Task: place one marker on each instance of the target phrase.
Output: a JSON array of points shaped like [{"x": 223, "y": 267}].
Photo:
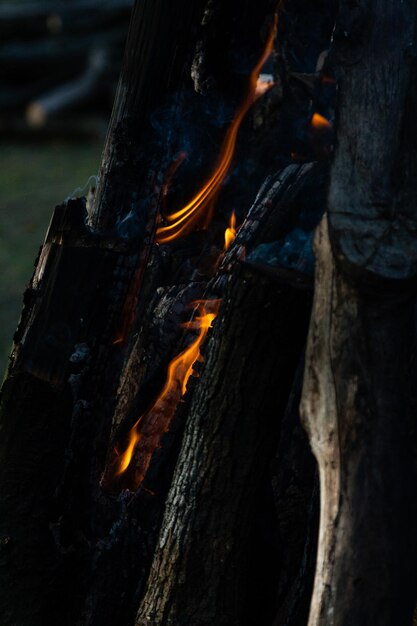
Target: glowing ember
[
  {"x": 146, "y": 433},
  {"x": 265, "y": 83},
  {"x": 181, "y": 222},
  {"x": 230, "y": 233},
  {"x": 319, "y": 122},
  {"x": 328, "y": 80}
]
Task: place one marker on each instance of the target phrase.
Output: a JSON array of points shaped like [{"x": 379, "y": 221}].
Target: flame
[
  {"x": 180, "y": 222},
  {"x": 126, "y": 457},
  {"x": 319, "y": 122},
  {"x": 163, "y": 409},
  {"x": 230, "y": 233}
]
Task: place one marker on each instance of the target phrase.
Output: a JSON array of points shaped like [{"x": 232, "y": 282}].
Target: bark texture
[
  {"x": 357, "y": 403},
  {"x": 64, "y": 356},
  {"x": 76, "y": 547},
  {"x": 358, "y": 393},
  {"x": 231, "y": 430},
  {"x": 372, "y": 201}
]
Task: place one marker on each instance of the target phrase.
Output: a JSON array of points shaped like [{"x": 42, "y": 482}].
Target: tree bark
[
  {"x": 358, "y": 396},
  {"x": 64, "y": 357},
  {"x": 68, "y": 362},
  {"x": 199, "y": 573},
  {"x": 161, "y": 42}
]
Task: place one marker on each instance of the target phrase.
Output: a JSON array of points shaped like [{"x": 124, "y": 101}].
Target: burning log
[
  {"x": 226, "y": 430},
  {"x": 63, "y": 379},
  {"x": 141, "y": 383}
]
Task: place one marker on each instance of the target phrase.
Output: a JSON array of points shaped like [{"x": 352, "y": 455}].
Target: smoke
[
  {"x": 294, "y": 251},
  {"x": 78, "y": 192}
]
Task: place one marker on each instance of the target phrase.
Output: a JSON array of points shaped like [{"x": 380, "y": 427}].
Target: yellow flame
[
  {"x": 126, "y": 457},
  {"x": 179, "y": 372},
  {"x": 181, "y": 221},
  {"x": 230, "y": 233}
]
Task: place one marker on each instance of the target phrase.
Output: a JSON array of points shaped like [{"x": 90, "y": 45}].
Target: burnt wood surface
[
  {"x": 231, "y": 432},
  {"x": 64, "y": 347},
  {"x": 158, "y": 339}
]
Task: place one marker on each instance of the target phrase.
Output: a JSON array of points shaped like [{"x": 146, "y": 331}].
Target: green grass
[{"x": 34, "y": 178}]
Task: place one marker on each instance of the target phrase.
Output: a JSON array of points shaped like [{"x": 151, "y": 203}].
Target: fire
[
  {"x": 319, "y": 122},
  {"x": 149, "y": 428},
  {"x": 328, "y": 80},
  {"x": 180, "y": 222},
  {"x": 230, "y": 233}
]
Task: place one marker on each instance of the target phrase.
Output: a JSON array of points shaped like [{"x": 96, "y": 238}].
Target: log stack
[{"x": 214, "y": 518}]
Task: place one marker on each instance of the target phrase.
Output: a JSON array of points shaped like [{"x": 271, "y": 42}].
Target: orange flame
[
  {"x": 180, "y": 222},
  {"x": 230, "y": 233},
  {"x": 319, "y": 122},
  {"x": 162, "y": 411}
]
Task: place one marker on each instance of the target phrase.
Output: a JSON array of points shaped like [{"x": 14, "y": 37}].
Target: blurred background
[{"x": 59, "y": 66}]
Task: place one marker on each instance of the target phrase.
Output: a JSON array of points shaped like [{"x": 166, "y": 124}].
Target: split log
[
  {"x": 61, "y": 328},
  {"x": 358, "y": 398}
]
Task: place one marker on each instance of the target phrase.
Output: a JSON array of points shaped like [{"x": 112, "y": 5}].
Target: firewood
[{"x": 358, "y": 396}]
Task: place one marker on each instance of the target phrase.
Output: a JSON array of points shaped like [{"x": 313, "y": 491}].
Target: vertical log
[
  {"x": 158, "y": 54},
  {"x": 357, "y": 397}
]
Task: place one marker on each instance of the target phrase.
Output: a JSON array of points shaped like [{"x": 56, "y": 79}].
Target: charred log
[
  {"x": 230, "y": 433},
  {"x": 95, "y": 340}
]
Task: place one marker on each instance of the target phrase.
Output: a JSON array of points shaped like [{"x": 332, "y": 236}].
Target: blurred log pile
[{"x": 59, "y": 58}]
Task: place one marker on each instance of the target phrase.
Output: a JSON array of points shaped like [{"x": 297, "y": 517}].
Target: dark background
[{"x": 45, "y": 46}]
